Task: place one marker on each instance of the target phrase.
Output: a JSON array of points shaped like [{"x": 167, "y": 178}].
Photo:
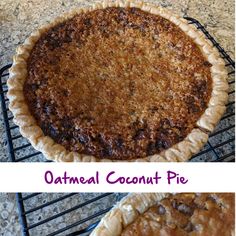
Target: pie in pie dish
[
  {"x": 182, "y": 214},
  {"x": 117, "y": 81}
]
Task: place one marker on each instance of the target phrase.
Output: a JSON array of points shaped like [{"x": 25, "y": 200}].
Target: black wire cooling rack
[{"x": 220, "y": 147}]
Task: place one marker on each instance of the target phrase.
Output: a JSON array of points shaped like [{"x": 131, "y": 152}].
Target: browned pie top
[
  {"x": 117, "y": 83},
  {"x": 187, "y": 215}
]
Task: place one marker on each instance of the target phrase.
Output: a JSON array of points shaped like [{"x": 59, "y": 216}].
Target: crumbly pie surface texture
[
  {"x": 118, "y": 83},
  {"x": 131, "y": 83},
  {"x": 183, "y": 214}
]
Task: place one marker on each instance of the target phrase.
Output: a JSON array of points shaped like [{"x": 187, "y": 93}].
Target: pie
[
  {"x": 182, "y": 214},
  {"x": 122, "y": 81}
]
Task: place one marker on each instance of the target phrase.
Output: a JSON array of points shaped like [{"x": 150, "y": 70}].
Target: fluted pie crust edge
[
  {"x": 181, "y": 151},
  {"x": 125, "y": 213}
]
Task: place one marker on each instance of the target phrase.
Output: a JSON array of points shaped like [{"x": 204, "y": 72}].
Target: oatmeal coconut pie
[
  {"x": 117, "y": 81},
  {"x": 182, "y": 214}
]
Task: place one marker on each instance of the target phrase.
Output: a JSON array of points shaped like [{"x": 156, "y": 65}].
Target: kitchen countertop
[{"x": 18, "y": 18}]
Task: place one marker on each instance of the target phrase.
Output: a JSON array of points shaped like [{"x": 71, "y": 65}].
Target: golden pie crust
[
  {"x": 174, "y": 146},
  {"x": 161, "y": 214}
]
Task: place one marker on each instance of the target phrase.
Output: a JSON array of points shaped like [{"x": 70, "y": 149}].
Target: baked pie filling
[
  {"x": 117, "y": 83},
  {"x": 187, "y": 215},
  {"x": 165, "y": 214}
]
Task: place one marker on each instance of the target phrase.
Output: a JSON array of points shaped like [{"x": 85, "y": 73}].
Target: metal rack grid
[{"x": 220, "y": 147}]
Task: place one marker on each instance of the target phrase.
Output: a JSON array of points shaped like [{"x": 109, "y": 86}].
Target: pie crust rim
[
  {"x": 125, "y": 212},
  {"x": 181, "y": 151}
]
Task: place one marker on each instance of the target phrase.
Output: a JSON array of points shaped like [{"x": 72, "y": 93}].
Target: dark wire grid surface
[{"x": 220, "y": 147}]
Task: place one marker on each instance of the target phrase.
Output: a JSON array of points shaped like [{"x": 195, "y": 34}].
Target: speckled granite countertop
[{"x": 19, "y": 17}]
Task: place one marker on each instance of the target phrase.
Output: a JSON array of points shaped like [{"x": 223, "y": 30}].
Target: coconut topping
[{"x": 117, "y": 83}]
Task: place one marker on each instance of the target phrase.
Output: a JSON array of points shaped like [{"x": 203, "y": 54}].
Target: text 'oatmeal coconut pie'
[
  {"x": 162, "y": 214},
  {"x": 120, "y": 81}
]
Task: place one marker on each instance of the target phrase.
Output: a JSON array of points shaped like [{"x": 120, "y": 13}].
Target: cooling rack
[{"x": 220, "y": 147}]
